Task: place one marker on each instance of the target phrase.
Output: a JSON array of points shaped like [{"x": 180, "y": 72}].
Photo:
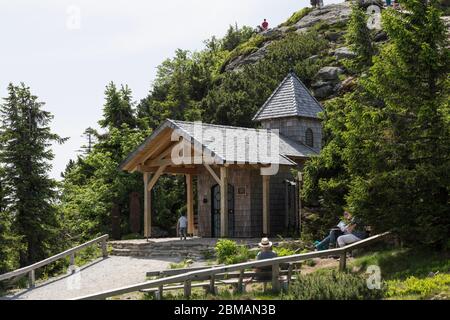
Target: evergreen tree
[
  {"x": 25, "y": 153},
  {"x": 8, "y": 241},
  {"x": 399, "y": 141},
  {"x": 359, "y": 39},
  {"x": 118, "y": 107}
]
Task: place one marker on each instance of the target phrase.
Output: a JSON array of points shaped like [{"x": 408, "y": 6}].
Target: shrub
[
  {"x": 331, "y": 285},
  {"x": 415, "y": 286},
  {"x": 282, "y": 251},
  {"x": 229, "y": 252}
]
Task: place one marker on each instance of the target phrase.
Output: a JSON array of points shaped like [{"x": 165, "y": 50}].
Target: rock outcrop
[
  {"x": 330, "y": 14},
  {"x": 326, "y": 82}
]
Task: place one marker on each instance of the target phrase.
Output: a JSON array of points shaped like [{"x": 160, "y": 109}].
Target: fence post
[
  {"x": 31, "y": 279},
  {"x": 104, "y": 248},
  {"x": 240, "y": 281},
  {"x": 289, "y": 275},
  {"x": 212, "y": 285},
  {"x": 343, "y": 261},
  {"x": 187, "y": 288},
  {"x": 275, "y": 276},
  {"x": 72, "y": 263}
]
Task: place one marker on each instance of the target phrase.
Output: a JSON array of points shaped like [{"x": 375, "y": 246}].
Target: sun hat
[{"x": 265, "y": 243}]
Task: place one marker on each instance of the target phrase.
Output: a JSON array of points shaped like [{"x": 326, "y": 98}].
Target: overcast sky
[{"x": 67, "y": 51}]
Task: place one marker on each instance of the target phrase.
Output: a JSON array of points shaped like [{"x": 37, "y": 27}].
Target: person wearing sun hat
[{"x": 265, "y": 253}]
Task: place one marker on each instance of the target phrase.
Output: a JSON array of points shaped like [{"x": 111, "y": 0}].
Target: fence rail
[
  {"x": 70, "y": 252},
  {"x": 210, "y": 273}
]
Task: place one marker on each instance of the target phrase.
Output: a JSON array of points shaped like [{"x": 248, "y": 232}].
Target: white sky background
[{"x": 118, "y": 40}]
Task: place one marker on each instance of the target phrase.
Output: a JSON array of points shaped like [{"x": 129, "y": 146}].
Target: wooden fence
[
  {"x": 211, "y": 273},
  {"x": 71, "y": 252}
]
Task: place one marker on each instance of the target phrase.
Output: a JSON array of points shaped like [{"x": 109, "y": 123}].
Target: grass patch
[
  {"x": 296, "y": 16},
  {"x": 416, "y": 288},
  {"x": 404, "y": 263}
]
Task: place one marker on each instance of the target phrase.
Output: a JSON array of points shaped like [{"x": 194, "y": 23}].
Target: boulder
[
  {"x": 344, "y": 53},
  {"x": 324, "y": 91},
  {"x": 328, "y": 73},
  {"x": 330, "y": 14}
]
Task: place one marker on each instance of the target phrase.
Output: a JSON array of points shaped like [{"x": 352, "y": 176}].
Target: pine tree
[
  {"x": 399, "y": 141},
  {"x": 118, "y": 107},
  {"x": 8, "y": 241},
  {"x": 359, "y": 40},
  {"x": 25, "y": 155}
]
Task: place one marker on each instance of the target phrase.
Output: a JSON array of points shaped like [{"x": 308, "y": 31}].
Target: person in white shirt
[{"x": 182, "y": 226}]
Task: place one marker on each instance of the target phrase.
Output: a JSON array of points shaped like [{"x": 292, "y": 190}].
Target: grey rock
[
  {"x": 324, "y": 91},
  {"x": 328, "y": 73},
  {"x": 344, "y": 53},
  {"x": 251, "y": 58},
  {"x": 329, "y": 14}
]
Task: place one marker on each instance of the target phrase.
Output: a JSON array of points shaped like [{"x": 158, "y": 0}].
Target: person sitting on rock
[{"x": 265, "y": 25}]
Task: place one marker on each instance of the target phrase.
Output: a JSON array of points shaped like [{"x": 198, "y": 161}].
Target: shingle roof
[
  {"x": 252, "y": 138},
  {"x": 290, "y": 99}
]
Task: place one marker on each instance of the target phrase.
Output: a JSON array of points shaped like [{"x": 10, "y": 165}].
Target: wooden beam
[
  {"x": 266, "y": 205},
  {"x": 147, "y": 207},
  {"x": 160, "y": 162},
  {"x": 173, "y": 170},
  {"x": 211, "y": 171},
  {"x": 190, "y": 204},
  {"x": 223, "y": 201},
  {"x": 155, "y": 177}
]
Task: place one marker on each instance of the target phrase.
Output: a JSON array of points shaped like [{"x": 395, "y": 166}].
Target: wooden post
[
  {"x": 223, "y": 202},
  {"x": 266, "y": 205},
  {"x": 342, "y": 261},
  {"x": 147, "y": 207},
  {"x": 160, "y": 292},
  {"x": 298, "y": 194},
  {"x": 187, "y": 288},
  {"x": 31, "y": 279},
  {"x": 275, "y": 277},
  {"x": 240, "y": 282},
  {"x": 289, "y": 275},
  {"x": 286, "y": 204},
  {"x": 190, "y": 204},
  {"x": 72, "y": 263},
  {"x": 104, "y": 248},
  {"x": 212, "y": 285}
]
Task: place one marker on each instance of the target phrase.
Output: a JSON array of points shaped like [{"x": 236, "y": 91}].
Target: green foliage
[
  {"x": 403, "y": 263},
  {"x": 229, "y": 252},
  {"x": 296, "y": 16},
  {"x": 406, "y": 272},
  {"x": 359, "y": 40},
  {"x": 25, "y": 155},
  {"x": 331, "y": 286},
  {"x": 419, "y": 288},
  {"x": 236, "y": 36},
  {"x": 387, "y": 143},
  {"x": 282, "y": 252}
]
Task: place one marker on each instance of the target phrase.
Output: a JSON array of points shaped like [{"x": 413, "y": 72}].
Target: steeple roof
[{"x": 290, "y": 99}]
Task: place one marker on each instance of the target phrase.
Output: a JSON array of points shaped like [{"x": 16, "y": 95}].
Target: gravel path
[{"x": 102, "y": 274}]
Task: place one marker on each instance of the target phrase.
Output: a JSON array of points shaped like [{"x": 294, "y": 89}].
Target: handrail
[
  {"x": 70, "y": 252},
  {"x": 211, "y": 272}
]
